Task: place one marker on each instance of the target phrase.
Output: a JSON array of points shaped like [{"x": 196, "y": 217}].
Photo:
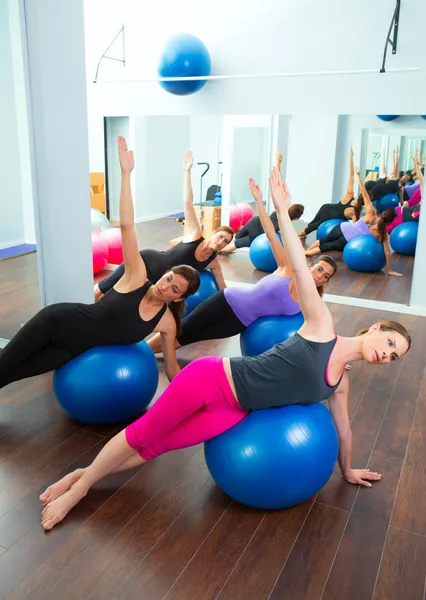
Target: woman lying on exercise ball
[
  {"x": 394, "y": 184},
  {"x": 212, "y": 394},
  {"x": 255, "y": 227},
  {"x": 371, "y": 224},
  {"x": 410, "y": 210},
  {"x": 193, "y": 250},
  {"x": 129, "y": 312},
  {"x": 348, "y": 207},
  {"x": 230, "y": 311}
]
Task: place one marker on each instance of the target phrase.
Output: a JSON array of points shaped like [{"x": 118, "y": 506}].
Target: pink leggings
[{"x": 197, "y": 405}]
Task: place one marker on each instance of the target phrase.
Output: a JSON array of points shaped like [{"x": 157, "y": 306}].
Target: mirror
[{"x": 228, "y": 149}]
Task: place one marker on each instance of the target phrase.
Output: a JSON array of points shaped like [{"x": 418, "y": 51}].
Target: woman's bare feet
[
  {"x": 58, "y": 509},
  {"x": 60, "y": 487}
]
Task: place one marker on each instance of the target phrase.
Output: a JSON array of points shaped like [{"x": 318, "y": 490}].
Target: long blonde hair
[{"x": 391, "y": 326}]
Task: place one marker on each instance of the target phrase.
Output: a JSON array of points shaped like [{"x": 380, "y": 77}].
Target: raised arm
[
  {"x": 268, "y": 227},
  {"x": 318, "y": 324},
  {"x": 350, "y": 189},
  {"x": 134, "y": 266},
  {"x": 192, "y": 225},
  {"x": 338, "y": 405},
  {"x": 383, "y": 171},
  {"x": 418, "y": 168},
  {"x": 370, "y": 210}
]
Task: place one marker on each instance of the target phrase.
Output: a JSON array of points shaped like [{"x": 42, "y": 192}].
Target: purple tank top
[
  {"x": 269, "y": 297},
  {"x": 351, "y": 230}
]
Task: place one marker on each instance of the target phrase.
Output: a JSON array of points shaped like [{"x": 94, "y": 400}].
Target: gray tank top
[{"x": 294, "y": 372}]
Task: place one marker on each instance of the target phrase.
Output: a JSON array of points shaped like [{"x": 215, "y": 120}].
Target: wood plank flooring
[{"x": 167, "y": 531}]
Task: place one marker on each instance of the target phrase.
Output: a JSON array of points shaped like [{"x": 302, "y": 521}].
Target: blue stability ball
[
  {"x": 326, "y": 227},
  {"x": 275, "y": 458},
  {"x": 403, "y": 238},
  {"x": 423, "y": 116},
  {"x": 388, "y": 117},
  {"x": 365, "y": 254},
  {"x": 208, "y": 287},
  {"x": 108, "y": 384},
  {"x": 261, "y": 254},
  {"x": 184, "y": 55},
  {"x": 388, "y": 201},
  {"x": 265, "y": 332}
]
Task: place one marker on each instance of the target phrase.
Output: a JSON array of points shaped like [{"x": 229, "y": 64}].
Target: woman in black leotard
[
  {"x": 348, "y": 207},
  {"x": 129, "y": 312},
  {"x": 194, "y": 250}
]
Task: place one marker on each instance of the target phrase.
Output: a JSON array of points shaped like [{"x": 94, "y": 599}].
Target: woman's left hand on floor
[{"x": 361, "y": 477}]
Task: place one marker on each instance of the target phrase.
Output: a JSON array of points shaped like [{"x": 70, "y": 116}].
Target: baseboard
[{"x": 5, "y": 245}]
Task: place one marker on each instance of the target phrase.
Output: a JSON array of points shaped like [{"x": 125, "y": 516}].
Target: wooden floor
[{"x": 166, "y": 531}]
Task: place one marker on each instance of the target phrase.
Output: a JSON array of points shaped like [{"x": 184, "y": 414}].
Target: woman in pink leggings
[{"x": 213, "y": 394}]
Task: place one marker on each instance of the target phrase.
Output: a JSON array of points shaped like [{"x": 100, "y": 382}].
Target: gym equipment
[
  {"x": 265, "y": 332},
  {"x": 184, "y": 55},
  {"x": 99, "y": 253},
  {"x": 388, "y": 201},
  {"x": 98, "y": 221},
  {"x": 112, "y": 238},
  {"x": 275, "y": 458},
  {"x": 108, "y": 384},
  {"x": 388, "y": 117},
  {"x": 261, "y": 254},
  {"x": 208, "y": 287},
  {"x": 246, "y": 211},
  {"x": 403, "y": 238},
  {"x": 365, "y": 254},
  {"x": 325, "y": 228}
]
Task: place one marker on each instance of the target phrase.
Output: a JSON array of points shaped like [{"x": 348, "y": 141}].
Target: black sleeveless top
[
  {"x": 294, "y": 372},
  {"x": 114, "y": 319},
  {"x": 159, "y": 262},
  {"x": 338, "y": 210}
]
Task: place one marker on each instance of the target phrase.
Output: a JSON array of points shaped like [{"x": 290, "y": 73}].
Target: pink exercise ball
[
  {"x": 246, "y": 212},
  {"x": 112, "y": 238},
  {"x": 235, "y": 217},
  {"x": 99, "y": 253}
]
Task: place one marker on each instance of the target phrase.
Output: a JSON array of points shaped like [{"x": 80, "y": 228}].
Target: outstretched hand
[
  {"x": 188, "y": 161},
  {"x": 256, "y": 192},
  {"x": 361, "y": 477},
  {"x": 126, "y": 157},
  {"x": 279, "y": 191}
]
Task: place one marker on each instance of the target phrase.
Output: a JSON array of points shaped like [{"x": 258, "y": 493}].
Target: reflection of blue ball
[
  {"x": 388, "y": 117},
  {"x": 275, "y": 458},
  {"x": 184, "y": 55},
  {"x": 388, "y": 201},
  {"x": 365, "y": 254},
  {"x": 326, "y": 227},
  {"x": 261, "y": 254},
  {"x": 108, "y": 384},
  {"x": 403, "y": 238},
  {"x": 265, "y": 332},
  {"x": 208, "y": 287}
]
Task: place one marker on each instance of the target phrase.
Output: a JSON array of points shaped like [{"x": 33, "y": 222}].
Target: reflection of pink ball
[
  {"x": 246, "y": 212},
  {"x": 112, "y": 237},
  {"x": 235, "y": 217},
  {"x": 99, "y": 253}
]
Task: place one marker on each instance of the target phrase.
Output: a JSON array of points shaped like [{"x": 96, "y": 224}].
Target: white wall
[
  {"x": 250, "y": 159},
  {"x": 11, "y": 210},
  {"x": 311, "y": 154},
  {"x": 290, "y": 36}
]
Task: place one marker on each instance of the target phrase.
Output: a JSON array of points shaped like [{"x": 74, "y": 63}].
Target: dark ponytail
[
  {"x": 177, "y": 309},
  {"x": 387, "y": 216},
  {"x": 358, "y": 206}
]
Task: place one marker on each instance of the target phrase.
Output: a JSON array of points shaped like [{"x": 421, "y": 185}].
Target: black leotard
[
  {"x": 159, "y": 262},
  {"x": 62, "y": 331}
]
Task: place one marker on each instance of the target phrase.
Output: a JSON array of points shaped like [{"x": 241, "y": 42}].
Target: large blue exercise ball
[
  {"x": 265, "y": 332},
  {"x": 184, "y": 55},
  {"x": 107, "y": 384},
  {"x": 326, "y": 227},
  {"x": 388, "y": 117},
  {"x": 423, "y": 116},
  {"x": 365, "y": 254},
  {"x": 261, "y": 254},
  {"x": 403, "y": 238},
  {"x": 388, "y": 201},
  {"x": 208, "y": 287},
  {"x": 275, "y": 458}
]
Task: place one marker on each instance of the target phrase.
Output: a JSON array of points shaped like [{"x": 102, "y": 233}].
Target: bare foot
[
  {"x": 60, "y": 487},
  {"x": 58, "y": 509}
]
